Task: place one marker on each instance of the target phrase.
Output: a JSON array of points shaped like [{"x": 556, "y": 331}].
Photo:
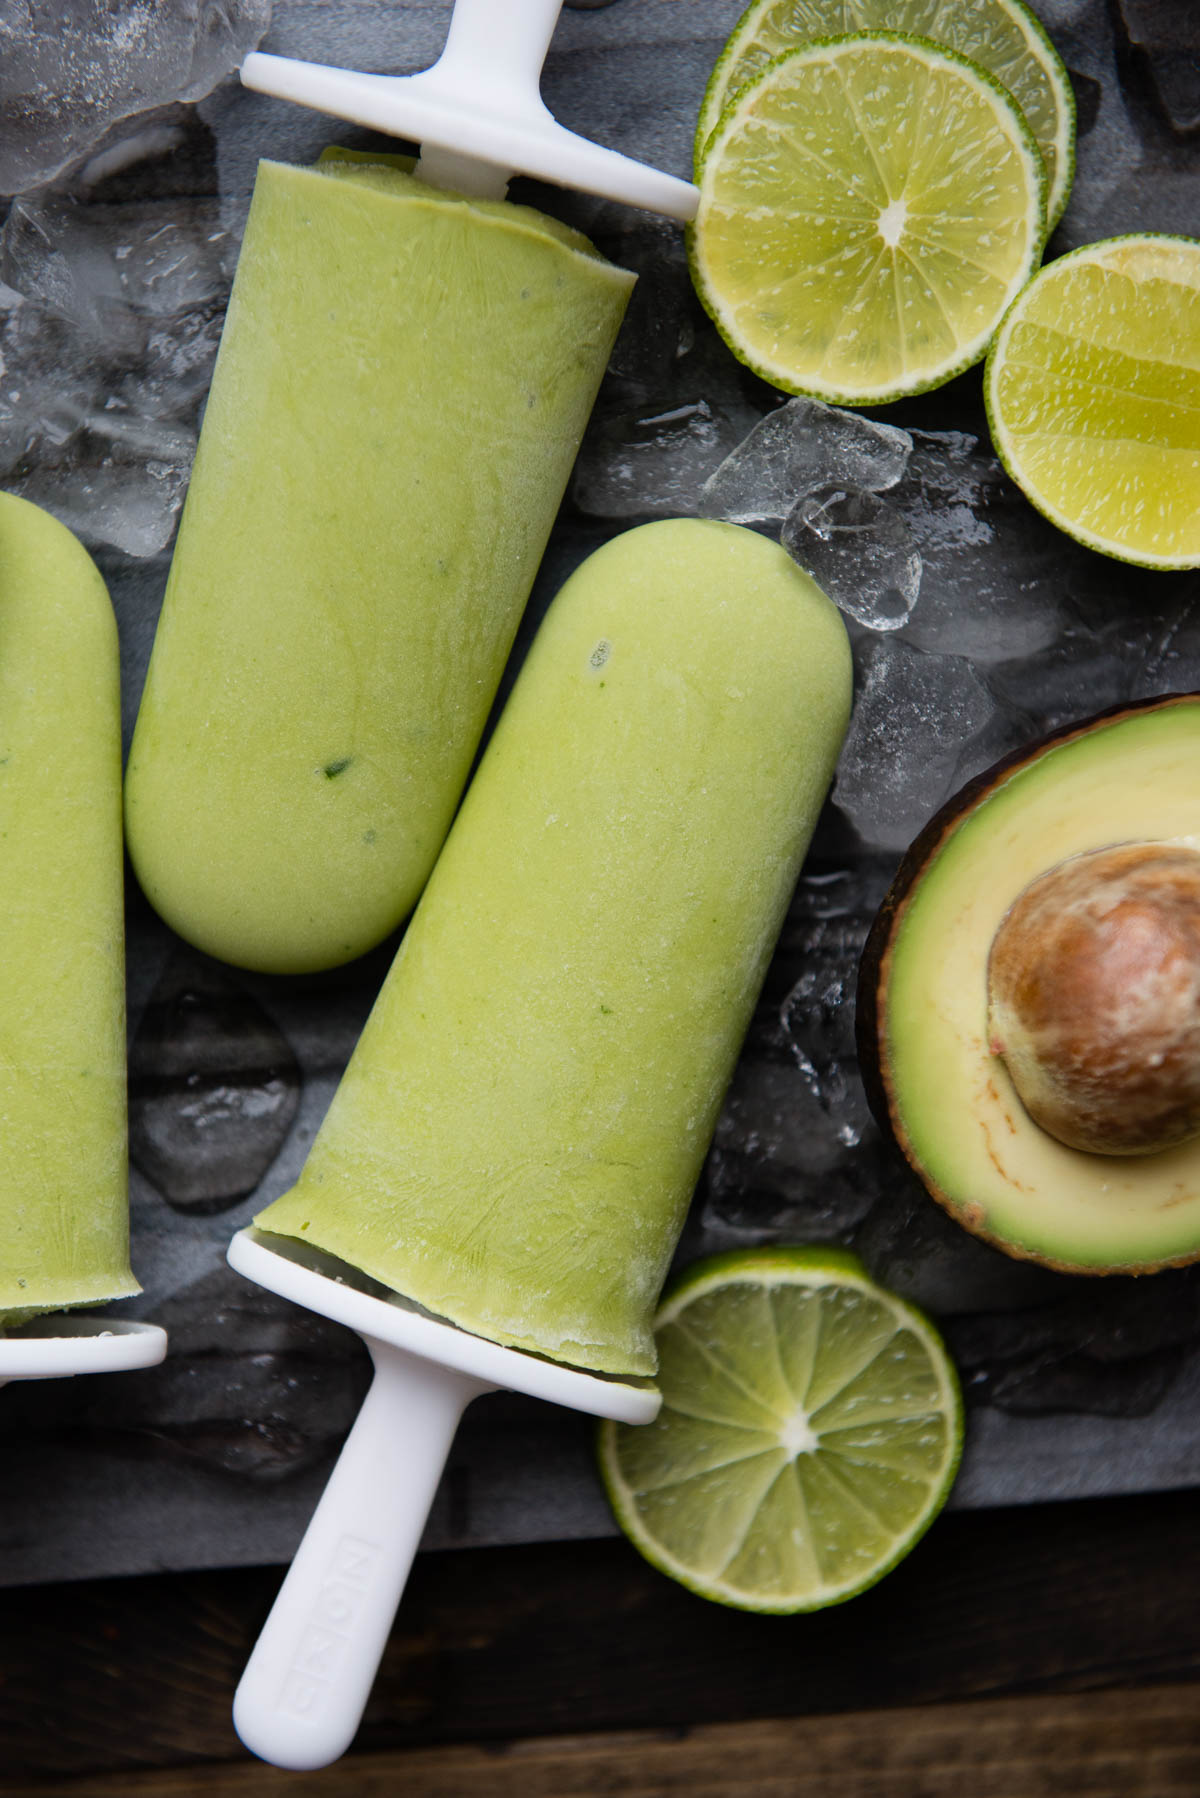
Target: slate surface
[{"x": 217, "y": 1458}]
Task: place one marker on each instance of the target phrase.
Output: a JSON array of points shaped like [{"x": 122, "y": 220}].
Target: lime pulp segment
[
  {"x": 869, "y": 207},
  {"x": 1093, "y": 393},
  {"x": 810, "y": 1430},
  {"x": 1002, "y": 36}
]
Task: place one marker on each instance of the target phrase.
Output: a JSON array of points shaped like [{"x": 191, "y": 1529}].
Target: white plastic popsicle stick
[
  {"x": 57, "y": 1347},
  {"x": 478, "y": 113},
  {"x": 307, "y": 1682}
]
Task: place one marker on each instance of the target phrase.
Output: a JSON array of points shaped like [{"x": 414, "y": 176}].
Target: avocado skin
[{"x": 874, "y": 963}]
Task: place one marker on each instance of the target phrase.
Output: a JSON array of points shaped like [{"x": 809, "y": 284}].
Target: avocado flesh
[{"x": 952, "y": 1106}]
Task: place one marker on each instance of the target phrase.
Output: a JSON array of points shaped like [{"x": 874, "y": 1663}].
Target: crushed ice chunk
[
  {"x": 650, "y": 465},
  {"x": 69, "y": 71},
  {"x": 107, "y": 496},
  {"x": 991, "y": 581},
  {"x": 779, "y": 1167},
  {"x": 914, "y": 716},
  {"x": 213, "y": 1088},
  {"x": 49, "y": 382},
  {"x": 92, "y": 263},
  {"x": 859, "y": 550},
  {"x": 109, "y": 321},
  {"x": 802, "y": 445},
  {"x": 673, "y": 404}
]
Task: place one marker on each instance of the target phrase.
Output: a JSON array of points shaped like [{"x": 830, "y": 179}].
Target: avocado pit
[{"x": 1094, "y": 998}]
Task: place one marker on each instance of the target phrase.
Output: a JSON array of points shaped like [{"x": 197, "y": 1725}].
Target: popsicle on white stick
[{"x": 515, "y": 1141}]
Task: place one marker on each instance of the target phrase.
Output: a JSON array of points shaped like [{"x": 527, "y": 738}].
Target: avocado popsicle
[
  {"x": 64, "y": 1210},
  {"x": 518, "y": 1133},
  {"x": 403, "y": 381}
]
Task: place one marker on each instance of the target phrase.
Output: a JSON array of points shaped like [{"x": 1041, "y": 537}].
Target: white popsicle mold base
[
  {"x": 478, "y": 113},
  {"x": 307, "y": 1682},
  {"x": 58, "y": 1347}
]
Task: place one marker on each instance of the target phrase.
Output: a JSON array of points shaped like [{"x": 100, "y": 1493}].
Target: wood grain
[
  {"x": 1142, "y": 1744},
  {"x": 567, "y": 1638}
]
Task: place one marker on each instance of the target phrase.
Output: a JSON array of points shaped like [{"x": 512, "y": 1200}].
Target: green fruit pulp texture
[
  {"x": 403, "y": 382},
  {"x": 64, "y": 1214},
  {"x": 518, "y": 1134}
]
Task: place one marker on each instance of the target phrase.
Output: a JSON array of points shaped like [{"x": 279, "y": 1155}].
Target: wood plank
[
  {"x": 1142, "y": 1744},
  {"x": 582, "y": 1637}
]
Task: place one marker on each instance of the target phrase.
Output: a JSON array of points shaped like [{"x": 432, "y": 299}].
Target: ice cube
[
  {"x": 673, "y": 404},
  {"x": 819, "y": 952},
  {"x": 172, "y": 375},
  {"x": 255, "y": 1387},
  {"x": 914, "y": 716},
  {"x": 660, "y": 323},
  {"x": 650, "y": 465},
  {"x": 802, "y": 445},
  {"x": 213, "y": 1088},
  {"x": 991, "y": 581},
  {"x": 49, "y": 254},
  {"x": 93, "y": 262},
  {"x": 779, "y": 1167},
  {"x": 69, "y": 71},
  {"x": 49, "y": 381},
  {"x": 858, "y": 548},
  {"x": 106, "y": 495},
  {"x": 108, "y": 331}
]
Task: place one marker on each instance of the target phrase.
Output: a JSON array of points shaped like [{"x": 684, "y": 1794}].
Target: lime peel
[{"x": 810, "y": 1432}]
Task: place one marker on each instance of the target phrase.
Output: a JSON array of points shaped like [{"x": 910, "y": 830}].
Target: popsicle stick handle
[
  {"x": 503, "y": 46},
  {"x": 307, "y": 1682}
]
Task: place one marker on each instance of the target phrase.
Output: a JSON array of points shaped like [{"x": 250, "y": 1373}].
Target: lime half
[
  {"x": 1002, "y": 36},
  {"x": 810, "y": 1431},
  {"x": 1093, "y": 394},
  {"x": 869, "y": 206}
]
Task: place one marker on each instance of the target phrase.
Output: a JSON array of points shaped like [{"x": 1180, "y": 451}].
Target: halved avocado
[{"x": 1127, "y": 776}]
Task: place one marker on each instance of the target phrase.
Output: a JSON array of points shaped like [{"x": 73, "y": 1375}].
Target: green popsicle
[
  {"x": 519, "y": 1131},
  {"x": 403, "y": 381},
  {"x": 64, "y": 1206}
]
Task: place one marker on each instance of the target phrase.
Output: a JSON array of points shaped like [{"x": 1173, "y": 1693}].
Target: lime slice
[
  {"x": 1093, "y": 394},
  {"x": 1002, "y": 36},
  {"x": 810, "y": 1432},
  {"x": 869, "y": 206}
]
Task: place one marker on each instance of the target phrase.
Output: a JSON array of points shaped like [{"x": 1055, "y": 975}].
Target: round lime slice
[
  {"x": 869, "y": 206},
  {"x": 810, "y": 1431},
  {"x": 1093, "y": 393},
  {"x": 1002, "y": 36}
]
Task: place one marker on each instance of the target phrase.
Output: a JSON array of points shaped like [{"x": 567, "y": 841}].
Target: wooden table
[{"x": 1044, "y": 1650}]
